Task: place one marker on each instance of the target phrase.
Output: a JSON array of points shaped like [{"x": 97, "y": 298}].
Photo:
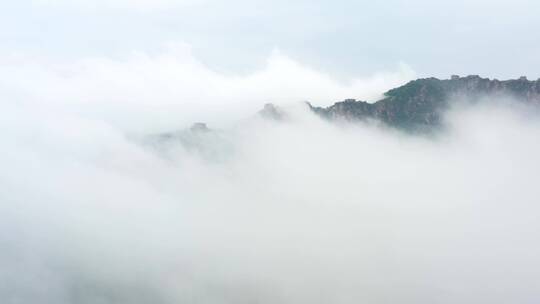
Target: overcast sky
[{"x": 344, "y": 39}]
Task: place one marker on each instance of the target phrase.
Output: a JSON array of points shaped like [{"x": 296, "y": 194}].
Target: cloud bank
[{"x": 298, "y": 212}]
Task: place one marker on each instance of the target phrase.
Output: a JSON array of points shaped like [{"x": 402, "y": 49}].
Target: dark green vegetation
[{"x": 419, "y": 104}]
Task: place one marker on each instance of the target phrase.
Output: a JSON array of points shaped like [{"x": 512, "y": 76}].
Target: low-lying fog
[{"x": 302, "y": 211}]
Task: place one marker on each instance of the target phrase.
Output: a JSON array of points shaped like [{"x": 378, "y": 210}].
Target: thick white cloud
[
  {"x": 303, "y": 211},
  {"x": 297, "y": 212}
]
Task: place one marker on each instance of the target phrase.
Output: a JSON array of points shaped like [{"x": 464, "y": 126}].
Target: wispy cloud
[{"x": 174, "y": 79}]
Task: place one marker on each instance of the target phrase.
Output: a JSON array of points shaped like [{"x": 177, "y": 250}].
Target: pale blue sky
[{"x": 343, "y": 38}]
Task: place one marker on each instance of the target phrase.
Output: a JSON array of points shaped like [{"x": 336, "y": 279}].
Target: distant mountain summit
[{"x": 419, "y": 104}]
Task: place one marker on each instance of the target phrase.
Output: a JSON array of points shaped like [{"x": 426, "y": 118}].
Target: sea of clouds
[{"x": 297, "y": 211}]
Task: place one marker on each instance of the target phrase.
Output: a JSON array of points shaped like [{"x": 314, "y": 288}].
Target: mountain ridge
[{"x": 420, "y": 103}]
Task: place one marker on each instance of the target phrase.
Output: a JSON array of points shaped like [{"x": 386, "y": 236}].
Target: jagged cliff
[{"x": 420, "y": 103}]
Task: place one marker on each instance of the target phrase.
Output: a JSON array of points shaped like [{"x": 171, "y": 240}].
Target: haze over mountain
[{"x": 269, "y": 152}]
